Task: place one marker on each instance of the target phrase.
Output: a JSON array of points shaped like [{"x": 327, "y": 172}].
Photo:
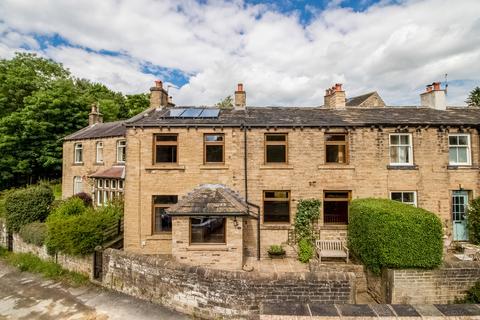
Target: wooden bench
[{"x": 331, "y": 249}]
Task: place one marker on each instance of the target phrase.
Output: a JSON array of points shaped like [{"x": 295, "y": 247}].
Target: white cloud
[{"x": 395, "y": 49}]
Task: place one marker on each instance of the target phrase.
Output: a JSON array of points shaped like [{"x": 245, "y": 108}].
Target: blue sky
[{"x": 285, "y": 52}]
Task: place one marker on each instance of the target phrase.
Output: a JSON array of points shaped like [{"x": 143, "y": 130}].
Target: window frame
[
  {"x": 288, "y": 200},
  {"x": 348, "y": 199},
  {"x": 468, "y": 146},
  {"x": 275, "y": 143},
  {"x": 77, "y": 179},
  {"x": 164, "y": 143},
  {"x": 212, "y": 143},
  {"x": 78, "y": 147},
  {"x": 99, "y": 196},
  {"x": 406, "y": 191},
  {"x": 207, "y": 243},
  {"x": 410, "y": 149},
  {"x": 160, "y": 205},
  {"x": 337, "y": 143},
  {"x": 99, "y": 146},
  {"x": 123, "y": 147}
]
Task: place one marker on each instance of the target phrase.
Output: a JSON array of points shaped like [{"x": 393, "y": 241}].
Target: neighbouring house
[{"x": 213, "y": 186}]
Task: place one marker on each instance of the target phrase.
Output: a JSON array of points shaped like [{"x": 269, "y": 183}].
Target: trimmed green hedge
[
  {"x": 27, "y": 205},
  {"x": 34, "y": 233},
  {"x": 386, "y": 233},
  {"x": 75, "y": 229},
  {"x": 473, "y": 220}
]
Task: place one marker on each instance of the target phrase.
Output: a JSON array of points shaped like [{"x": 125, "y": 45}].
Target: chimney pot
[
  {"x": 240, "y": 87},
  {"x": 158, "y": 83},
  {"x": 436, "y": 86},
  {"x": 338, "y": 87},
  {"x": 240, "y": 98}
]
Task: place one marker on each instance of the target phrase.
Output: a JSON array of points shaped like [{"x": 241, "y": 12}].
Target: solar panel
[
  {"x": 209, "y": 113},
  {"x": 191, "y": 113},
  {"x": 176, "y": 112}
]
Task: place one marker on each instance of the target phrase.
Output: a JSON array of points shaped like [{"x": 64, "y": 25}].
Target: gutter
[{"x": 245, "y": 167}]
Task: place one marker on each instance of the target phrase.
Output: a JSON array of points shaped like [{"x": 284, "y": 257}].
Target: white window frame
[
  {"x": 77, "y": 180},
  {"x": 113, "y": 184},
  {"x": 105, "y": 197},
  {"x": 410, "y": 149},
  {"x": 99, "y": 197},
  {"x": 99, "y": 183},
  {"x": 414, "y": 203},
  {"x": 99, "y": 152},
  {"x": 122, "y": 184},
  {"x": 121, "y": 144},
  {"x": 469, "y": 148},
  {"x": 78, "y": 152}
]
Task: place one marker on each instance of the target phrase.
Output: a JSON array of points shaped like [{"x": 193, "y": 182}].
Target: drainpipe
[{"x": 245, "y": 166}]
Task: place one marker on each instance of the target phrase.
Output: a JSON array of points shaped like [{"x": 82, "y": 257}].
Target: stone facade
[
  {"x": 416, "y": 286},
  {"x": 213, "y": 294},
  {"x": 306, "y": 175},
  {"x": 89, "y": 165}
]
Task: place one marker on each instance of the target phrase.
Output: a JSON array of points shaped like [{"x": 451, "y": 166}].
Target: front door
[{"x": 459, "y": 210}]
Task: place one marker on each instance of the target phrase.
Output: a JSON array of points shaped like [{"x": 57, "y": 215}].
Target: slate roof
[
  {"x": 210, "y": 200},
  {"x": 116, "y": 172},
  {"x": 319, "y": 117},
  {"x": 358, "y": 100},
  {"x": 100, "y": 130}
]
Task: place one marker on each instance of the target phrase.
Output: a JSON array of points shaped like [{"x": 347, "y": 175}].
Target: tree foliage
[
  {"x": 226, "y": 103},
  {"x": 40, "y": 103},
  {"x": 473, "y": 99},
  {"x": 473, "y": 220}
]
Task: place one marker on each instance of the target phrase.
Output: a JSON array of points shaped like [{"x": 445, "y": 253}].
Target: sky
[{"x": 285, "y": 52}]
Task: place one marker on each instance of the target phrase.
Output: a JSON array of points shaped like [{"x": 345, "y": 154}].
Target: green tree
[
  {"x": 23, "y": 75},
  {"x": 473, "y": 99},
  {"x": 134, "y": 104},
  {"x": 226, "y": 103}
]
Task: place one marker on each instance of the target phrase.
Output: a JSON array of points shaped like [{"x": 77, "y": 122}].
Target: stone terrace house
[{"x": 211, "y": 187}]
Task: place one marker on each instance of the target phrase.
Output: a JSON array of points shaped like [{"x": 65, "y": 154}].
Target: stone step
[{"x": 368, "y": 311}]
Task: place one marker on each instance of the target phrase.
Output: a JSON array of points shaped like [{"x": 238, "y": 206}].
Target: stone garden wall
[
  {"x": 416, "y": 286},
  {"x": 211, "y": 293}
]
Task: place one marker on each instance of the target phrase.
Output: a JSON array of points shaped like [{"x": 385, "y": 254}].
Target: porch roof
[
  {"x": 210, "y": 200},
  {"x": 115, "y": 172}
]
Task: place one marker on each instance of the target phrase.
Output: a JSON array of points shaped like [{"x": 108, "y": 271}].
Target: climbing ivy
[{"x": 308, "y": 211}]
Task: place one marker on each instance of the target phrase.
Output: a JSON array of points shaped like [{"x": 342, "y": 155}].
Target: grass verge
[{"x": 31, "y": 263}]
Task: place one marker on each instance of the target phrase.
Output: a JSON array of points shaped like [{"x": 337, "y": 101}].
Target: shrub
[
  {"x": 85, "y": 197},
  {"x": 473, "y": 220},
  {"x": 276, "y": 250},
  {"x": 77, "y": 230},
  {"x": 34, "y": 233},
  {"x": 473, "y": 294},
  {"x": 307, "y": 212},
  {"x": 387, "y": 233},
  {"x": 306, "y": 250},
  {"x": 27, "y": 205}
]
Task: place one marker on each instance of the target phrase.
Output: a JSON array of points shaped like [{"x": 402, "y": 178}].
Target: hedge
[
  {"x": 27, "y": 205},
  {"x": 76, "y": 229},
  {"x": 34, "y": 233},
  {"x": 388, "y": 234}
]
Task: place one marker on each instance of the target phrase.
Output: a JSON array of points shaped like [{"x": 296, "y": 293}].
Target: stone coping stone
[
  {"x": 459, "y": 309},
  {"x": 364, "y": 311},
  {"x": 323, "y": 310},
  {"x": 405, "y": 310}
]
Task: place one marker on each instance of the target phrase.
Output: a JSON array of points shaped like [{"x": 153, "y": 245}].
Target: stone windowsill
[
  {"x": 333, "y": 227},
  {"x": 166, "y": 167},
  {"x": 98, "y": 163},
  {"x": 335, "y": 167},
  {"x": 214, "y": 167},
  {"x": 160, "y": 236},
  {"x": 78, "y": 164},
  {"x": 210, "y": 247},
  {"x": 276, "y": 167},
  {"x": 402, "y": 167},
  {"x": 461, "y": 167}
]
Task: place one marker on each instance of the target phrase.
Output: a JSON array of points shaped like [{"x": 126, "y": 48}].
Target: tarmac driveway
[{"x": 29, "y": 296}]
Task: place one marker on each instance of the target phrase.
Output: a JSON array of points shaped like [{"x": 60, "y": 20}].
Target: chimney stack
[
  {"x": 95, "y": 116},
  {"x": 434, "y": 97},
  {"x": 335, "y": 97},
  {"x": 240, "y": 98},
  {"x": 158, "y": 95}
]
